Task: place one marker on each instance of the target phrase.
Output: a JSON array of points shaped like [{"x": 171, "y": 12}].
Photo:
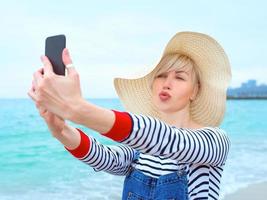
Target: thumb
[
  {"x": 68, "y": 62},
  {"x": 48, "y": 69}
]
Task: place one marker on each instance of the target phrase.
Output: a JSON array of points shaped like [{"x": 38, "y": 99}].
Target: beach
[
  {"x": 34, "y": 165},
  {"x": 256, "y": 191}
]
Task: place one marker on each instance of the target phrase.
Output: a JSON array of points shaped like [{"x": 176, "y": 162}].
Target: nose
[{"x": 167, "y": 83}]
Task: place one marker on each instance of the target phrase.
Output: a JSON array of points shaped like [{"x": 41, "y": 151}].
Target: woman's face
[{"x": 178, "y": 84}]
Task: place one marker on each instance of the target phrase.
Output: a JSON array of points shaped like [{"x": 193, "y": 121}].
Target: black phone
[{"x": 54, "y": 46}]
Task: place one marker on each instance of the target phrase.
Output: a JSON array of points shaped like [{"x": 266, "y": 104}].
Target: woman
[{"x": 172, "y": 146}]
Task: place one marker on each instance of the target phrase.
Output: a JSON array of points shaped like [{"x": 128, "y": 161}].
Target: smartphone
[{"x": 54, "y": 46}]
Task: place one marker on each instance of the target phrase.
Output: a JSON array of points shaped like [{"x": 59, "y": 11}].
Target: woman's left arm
[
  {"x": 209, "y": 145},
  {"x": 149, "y": 135}
]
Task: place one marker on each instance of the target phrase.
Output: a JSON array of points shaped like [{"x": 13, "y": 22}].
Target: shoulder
[
  {"x": 209, "y": 129},
  {"x": 218, "y": 129},
  {"x": 215, "y": 129},
  {"x": 219, "y": 132}
]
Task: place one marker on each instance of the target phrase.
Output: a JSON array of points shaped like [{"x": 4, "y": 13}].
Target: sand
[{"x": 256, "y": 191}]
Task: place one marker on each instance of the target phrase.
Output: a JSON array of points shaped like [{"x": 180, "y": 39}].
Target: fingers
[
  {"x": 41, "y": 70},
  {"x": 66, "y": 57},
  {"x": 32, "y": 94},
  {"x": 37, "y": 78},
  {"x": 68, "y": 62},
  {"x": 48, "y": 69},
  {"x": 42, "y": 111},
  {"x": 33, "y": 85}
]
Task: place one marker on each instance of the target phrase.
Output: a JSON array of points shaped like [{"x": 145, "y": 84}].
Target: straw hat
[{"x": 208, "y": 107}]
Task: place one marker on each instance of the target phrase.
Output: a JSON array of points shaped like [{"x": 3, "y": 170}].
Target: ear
[{"x": 195, "y": 91}]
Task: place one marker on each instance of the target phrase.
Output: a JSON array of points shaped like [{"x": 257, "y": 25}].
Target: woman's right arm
[{"x": 112, "y": 159}]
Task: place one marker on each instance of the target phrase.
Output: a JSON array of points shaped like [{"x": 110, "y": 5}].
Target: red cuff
[
  {"x": 121, "y": 128},
  {"x": 83, "y": 147}
]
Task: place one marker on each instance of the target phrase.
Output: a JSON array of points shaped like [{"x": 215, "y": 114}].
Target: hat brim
[{"x": 209, "y": 106}]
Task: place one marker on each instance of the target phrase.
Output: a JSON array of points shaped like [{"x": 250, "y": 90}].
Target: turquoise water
[{"x": 35, "y": 165}]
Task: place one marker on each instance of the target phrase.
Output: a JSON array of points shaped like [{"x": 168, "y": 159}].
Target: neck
[{"x": 179, "y": 119}]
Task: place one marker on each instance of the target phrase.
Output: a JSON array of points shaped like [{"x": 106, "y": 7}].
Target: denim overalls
[{"x": 139, "y": 186}]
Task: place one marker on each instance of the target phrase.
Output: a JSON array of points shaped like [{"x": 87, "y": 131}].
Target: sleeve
[
  {"x": 209, "y": 145},
  {"x": 113, "y": 159}
]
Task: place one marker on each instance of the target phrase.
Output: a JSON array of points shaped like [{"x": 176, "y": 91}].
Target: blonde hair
[{"x": 177, "y": 62}]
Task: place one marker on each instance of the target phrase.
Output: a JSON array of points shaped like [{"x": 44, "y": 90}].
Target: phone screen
[{"x": 54, "y": 46}]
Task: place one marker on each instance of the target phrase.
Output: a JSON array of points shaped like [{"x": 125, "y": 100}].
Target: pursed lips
[{"x": 164, "y": 95}]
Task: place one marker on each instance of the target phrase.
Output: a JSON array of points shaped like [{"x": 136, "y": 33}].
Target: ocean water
[{"x": 34, "y": 165}]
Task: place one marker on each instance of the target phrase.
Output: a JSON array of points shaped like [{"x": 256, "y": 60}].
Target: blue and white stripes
[
  {"x": 165, "y": 149},
  {"x": 208, "y": 145},
  {"x": 112, "y": 159}
]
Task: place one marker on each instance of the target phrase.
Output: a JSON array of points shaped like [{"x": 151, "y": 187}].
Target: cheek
[
  {"x": 183, "y": 90},
  {"x": 155, "y": 86},
  {"x": 182, "y": 97}
]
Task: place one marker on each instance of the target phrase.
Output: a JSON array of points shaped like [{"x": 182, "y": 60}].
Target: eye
[
  {"x": 161, "y": 75},
  {"x": 177, "y": 77}
]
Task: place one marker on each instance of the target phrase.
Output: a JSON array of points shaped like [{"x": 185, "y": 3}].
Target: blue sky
[{"x": 109, "y": 39}]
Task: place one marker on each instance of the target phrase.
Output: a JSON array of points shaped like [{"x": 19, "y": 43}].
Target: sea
[{"x": 34, "y": 165}]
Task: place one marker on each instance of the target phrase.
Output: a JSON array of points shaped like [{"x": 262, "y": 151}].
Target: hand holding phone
[{"x": 54, "y": 46}]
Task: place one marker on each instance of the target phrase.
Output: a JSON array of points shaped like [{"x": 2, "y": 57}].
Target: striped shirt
[{"x": 163, "y": 149}]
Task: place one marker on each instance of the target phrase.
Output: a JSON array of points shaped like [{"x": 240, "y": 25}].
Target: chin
[{"x": 164, "y": 108}]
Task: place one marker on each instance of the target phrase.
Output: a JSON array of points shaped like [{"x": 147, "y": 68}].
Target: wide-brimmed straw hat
[{"x": 208, "y": 107}]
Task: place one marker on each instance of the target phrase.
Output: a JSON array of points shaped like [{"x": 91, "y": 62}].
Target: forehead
[
  {"x": 178, "y": 71},
  {"x": 179, "y": 68},
  {"x": 182, "y": 72}
]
